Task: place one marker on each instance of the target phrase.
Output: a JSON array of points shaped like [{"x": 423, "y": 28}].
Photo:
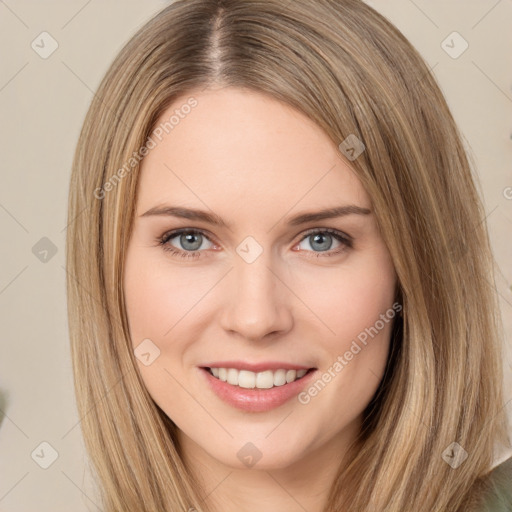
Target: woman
[{"x": 258, "y": 367}]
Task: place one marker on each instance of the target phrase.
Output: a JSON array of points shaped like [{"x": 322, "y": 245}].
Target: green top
[{"x": 498, "y": 489}]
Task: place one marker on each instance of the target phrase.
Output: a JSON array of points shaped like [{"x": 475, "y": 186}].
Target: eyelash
[{"x": 345, "y": 240}]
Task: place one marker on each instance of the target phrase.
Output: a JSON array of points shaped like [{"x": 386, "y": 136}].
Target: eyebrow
[{"x": 214, "y": 219}]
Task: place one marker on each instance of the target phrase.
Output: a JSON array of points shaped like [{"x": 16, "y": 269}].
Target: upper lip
[{"x": 256, "y": 367}]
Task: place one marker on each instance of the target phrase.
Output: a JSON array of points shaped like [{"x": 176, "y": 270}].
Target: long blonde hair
[{"x": 353, "y": 73}]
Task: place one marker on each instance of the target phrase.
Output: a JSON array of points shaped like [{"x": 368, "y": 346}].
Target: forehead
[{"x": 245, "y": 150}]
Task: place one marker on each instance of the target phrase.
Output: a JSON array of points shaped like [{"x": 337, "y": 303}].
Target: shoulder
[{"x": 497, "y": 489}]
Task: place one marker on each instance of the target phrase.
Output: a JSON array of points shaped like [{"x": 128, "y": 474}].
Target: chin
[{"x": 264, "y": 455}]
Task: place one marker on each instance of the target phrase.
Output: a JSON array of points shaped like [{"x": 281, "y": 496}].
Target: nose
[{"x": 257, "y": 304}]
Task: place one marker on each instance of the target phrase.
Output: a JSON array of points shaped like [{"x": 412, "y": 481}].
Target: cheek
[
  {"x": 355, "y": 306},
  {"x": 158, "y": 302},
  {"x": 158, "y": 298},
  {"x": 350, "y": 299}
]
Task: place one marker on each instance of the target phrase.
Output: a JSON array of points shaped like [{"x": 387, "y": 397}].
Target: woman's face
[{"x": 252, "y": 283}]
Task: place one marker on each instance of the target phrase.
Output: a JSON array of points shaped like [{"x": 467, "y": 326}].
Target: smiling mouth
[{"x": 267, "y": 379}]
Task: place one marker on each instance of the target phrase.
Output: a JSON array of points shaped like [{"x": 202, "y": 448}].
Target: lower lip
[{"x": 256, "y": 400}]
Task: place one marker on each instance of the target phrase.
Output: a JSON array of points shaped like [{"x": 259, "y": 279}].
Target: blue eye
[
  {"x": 322, "y": 241},
  {"x": 191, "y": 241}
]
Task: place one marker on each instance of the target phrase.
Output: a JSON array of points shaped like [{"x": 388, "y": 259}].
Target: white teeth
[
  {"x": 280, "y": 378},
  {"x": 232, "y": 376},
  {"x": 246, "y": 379},
  {"x": 291, "y": 375},
  {"x": 265, "y": 380},
  {"x": 261, "y": 380}
]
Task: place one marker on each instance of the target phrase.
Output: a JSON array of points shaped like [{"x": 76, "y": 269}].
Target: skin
[{"x": 256, "y": 162}]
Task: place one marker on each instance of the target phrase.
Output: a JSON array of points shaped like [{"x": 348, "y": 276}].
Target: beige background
[{"x": 42, "y": 105}]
